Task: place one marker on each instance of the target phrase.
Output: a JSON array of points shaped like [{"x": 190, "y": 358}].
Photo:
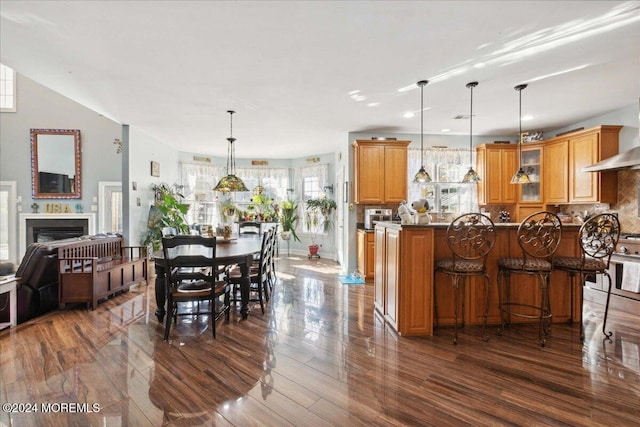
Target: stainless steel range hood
[{"x": 626, "y": 160}]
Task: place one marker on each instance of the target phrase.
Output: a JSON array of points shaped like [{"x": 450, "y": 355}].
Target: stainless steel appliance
[
  {"x": 371, "y": 216},
  {"x": 627, "y": 251}
]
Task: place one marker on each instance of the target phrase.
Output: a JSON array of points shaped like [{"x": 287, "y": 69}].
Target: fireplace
[
  {"x": 48, "y": 230},
  {"x": 44, "y": 228}
]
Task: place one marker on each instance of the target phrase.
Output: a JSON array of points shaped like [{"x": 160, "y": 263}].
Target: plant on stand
[
  {"x": 288, "y": 219},
  {"x": 318, "y": 220},
  {"x": 167, "y": 211}
]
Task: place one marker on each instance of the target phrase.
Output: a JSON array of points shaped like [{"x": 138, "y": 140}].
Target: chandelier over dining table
[{"x": 230, "y": 182}]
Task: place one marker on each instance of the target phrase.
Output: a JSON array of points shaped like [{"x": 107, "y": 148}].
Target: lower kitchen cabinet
[
  {"x": 404, "y": 284},
  {"x": 366, "y": 254}
]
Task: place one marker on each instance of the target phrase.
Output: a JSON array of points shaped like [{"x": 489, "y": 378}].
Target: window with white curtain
[
  {"x": 275, "y": 182},
  {"x": 199, "y": 180},
  {"x": 310, "y": 182},
  {"x": 446, "y": 166}
]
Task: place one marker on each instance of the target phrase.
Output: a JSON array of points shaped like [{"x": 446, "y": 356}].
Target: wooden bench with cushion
[{"x": 90, "y": 270}]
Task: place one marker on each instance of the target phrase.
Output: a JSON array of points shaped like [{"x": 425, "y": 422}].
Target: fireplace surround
[{"x": 49, "y": 227}]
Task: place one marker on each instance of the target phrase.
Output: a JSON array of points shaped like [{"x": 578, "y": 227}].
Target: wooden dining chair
[
  {"x": 192, "y": 275},
  {"x": 249, "y": 227},
  {"x": 258, "y": 276}
]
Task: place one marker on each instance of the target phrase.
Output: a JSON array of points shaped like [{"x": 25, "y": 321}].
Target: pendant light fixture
[
  {"x": 471, "y": 176},
  {"x": 422, "y": 175},
  {"x": 231, "y": 183},
  {"x": 520, "y": 177}
]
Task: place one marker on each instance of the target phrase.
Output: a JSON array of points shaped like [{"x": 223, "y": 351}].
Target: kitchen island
[{"x": 405, "y": 256}]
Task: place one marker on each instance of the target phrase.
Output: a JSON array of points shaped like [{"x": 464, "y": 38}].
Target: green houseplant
[
  {"x": 318, "y": 220},
  {"x": 167, "y": 211},
  {"x": 289, "y": 219}
]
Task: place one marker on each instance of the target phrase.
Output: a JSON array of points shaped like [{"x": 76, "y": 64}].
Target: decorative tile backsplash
[{"x": 627, "y": 206}]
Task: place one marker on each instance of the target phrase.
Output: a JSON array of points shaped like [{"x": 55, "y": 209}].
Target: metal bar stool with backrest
[
  {"x": 598, "y": 238},
  {"x": 470, "y": 237},
  {"x": 538, "y": 237},
  {"x": 192, "y": 276}
]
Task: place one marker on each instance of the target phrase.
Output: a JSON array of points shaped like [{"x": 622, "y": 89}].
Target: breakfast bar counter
[{"x": 405, "y": 256}]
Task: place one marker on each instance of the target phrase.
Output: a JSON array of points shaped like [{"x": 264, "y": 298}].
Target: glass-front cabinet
[{"x": 531, "y": 163}]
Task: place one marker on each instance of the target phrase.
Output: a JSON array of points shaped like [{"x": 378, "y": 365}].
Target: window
[
  {"x": 310, "y": 182},
  {"x": 205, "y": 204},
  {"x": 7, "y": 89},
  {"x": 8, "y": 221},
  {"x": 446, "y": 194}
]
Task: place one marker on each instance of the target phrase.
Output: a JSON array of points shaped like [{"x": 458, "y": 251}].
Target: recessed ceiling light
[
  {"x": 353, "y": 92},
  {"x": 479, "y": 65},
  {"x": 373, "y": 104},
  {"x": 409, "y": 114},
  {"x": 527, "y": 118},
  {"x": 445, "y": 130}
]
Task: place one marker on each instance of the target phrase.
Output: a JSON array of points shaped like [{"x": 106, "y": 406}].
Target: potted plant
[
  {"x": 318, "y": 220},
  {"x": 167, "y": 211},
  {"x": 288, "y": 219}
]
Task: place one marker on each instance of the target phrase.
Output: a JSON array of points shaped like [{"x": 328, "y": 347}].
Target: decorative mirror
[{"x": 55, "y": 164}]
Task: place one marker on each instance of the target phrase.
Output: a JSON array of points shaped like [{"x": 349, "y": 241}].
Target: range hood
[{"x": 626, "y": 160}]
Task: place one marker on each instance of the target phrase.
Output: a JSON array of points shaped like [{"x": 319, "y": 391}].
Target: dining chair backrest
[
  {"x": 471, "y": 236},
  {"x": 189, "y": 257},
  {"x": 249, "y": 227},
  {"x": 539, "y": 235},
  {"x": 599, "y": 236}
]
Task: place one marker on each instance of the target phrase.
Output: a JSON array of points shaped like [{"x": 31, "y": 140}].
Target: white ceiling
[{"x": 173, "y": 69}]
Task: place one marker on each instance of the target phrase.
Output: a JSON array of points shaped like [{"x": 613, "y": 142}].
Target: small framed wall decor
[{"x": 155, "y": 168}]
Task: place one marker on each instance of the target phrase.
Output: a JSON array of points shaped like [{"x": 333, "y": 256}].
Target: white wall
[
  {"x": 41, "y": 108},
  {"x": 627, "y": 116},
  {"x": 140, "y": 151}
]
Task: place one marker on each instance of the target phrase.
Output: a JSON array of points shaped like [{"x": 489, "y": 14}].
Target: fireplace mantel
[{"x": 22, "y": 238}]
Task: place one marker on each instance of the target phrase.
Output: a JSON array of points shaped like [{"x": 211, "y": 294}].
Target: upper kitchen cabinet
[
  {"x": 586, "y": 148},
  {"x": 531, "y": 193},
  {"x": 556, "y": 171},
  {"x": 564, "y": 158},
  {"x": 380, "y": 171},
  {"x": 495, "y": 164}
]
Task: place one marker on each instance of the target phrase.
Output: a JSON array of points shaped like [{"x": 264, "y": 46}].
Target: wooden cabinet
[
  {"x": 380, "y": 171},
  {"x": 531, "y": 193},
  {"x": 586, "y": 148},
  {"x": 366, "y": 260},
  {"x": 404, "y": 282},
  {"x": 496, "y": 163},
  {"x": 391, "y": 279},
  {"x": 556, "y": 171},
  {"x": 379, "y": 288},
  {"x": 404, "y": 278},
  {"x": 564, "y": 158}
]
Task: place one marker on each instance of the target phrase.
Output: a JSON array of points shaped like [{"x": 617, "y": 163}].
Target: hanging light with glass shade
[
  {"x": 471, "y": 176},
  {"x": 231, "y": 183},
  {"x": 422, "y": 175},
  {"x": 520, "y": 177}
]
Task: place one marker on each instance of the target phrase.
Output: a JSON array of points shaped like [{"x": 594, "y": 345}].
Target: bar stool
[
  {"x": 598, "y": 238},
  {"x": 538, "y": 236},
  {"x": 470, "y": 237}
]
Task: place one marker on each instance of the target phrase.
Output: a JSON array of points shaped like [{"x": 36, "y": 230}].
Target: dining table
[{"x": 238, "y": 250}]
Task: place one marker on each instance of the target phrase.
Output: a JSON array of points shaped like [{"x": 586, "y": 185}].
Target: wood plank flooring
[{"x": 317, "y": 357}]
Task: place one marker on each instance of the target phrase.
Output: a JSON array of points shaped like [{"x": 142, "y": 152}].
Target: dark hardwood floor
[{"x": 318, "y": 356}]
